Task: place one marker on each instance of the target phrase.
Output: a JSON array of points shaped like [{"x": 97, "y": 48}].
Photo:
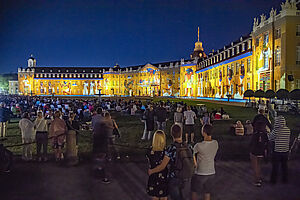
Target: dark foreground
[{"x": 49, "y": 181}]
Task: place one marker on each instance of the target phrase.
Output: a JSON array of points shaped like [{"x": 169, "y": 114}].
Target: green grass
[{"x": 131, "y": 128}]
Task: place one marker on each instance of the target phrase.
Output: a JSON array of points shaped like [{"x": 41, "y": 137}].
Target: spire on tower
[{"x": 198, "y": 33}]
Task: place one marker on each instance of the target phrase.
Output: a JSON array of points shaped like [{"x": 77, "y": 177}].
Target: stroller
[{"x": 6, "y": 158}]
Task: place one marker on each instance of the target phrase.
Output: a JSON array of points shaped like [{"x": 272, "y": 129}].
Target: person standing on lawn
[
  {"x": 57, "y": 131},
  {"x": 100, "y": 144},
  {"x": 27, "y": 130},
  {"x": 161, "y": 115},
  {"x": 149, "y": 115},
  {"x": 189, "y": 117},
  {"x": 4, "y": 118},
  {"x": 157, "y": 183},
  {"x": 41, "y": 137},
  {"x": 204, "y": 158},
  {"x": 178, "y": 117},
  {"x": 281, "y": 137}
]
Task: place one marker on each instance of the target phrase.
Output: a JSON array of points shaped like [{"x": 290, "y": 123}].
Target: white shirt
[
  {"x": 41, "y": 125},
  {"x": 27, "y": 128},
  {"x": 189, "y": 117},
  {"x": 206, "y": 152}
]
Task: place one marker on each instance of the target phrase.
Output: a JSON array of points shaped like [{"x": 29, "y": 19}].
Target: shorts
[
  {"x": 189, "y": 128},
  {"x": 203, "y": 183}
]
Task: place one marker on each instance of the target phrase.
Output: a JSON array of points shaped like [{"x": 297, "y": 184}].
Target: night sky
[{"x": 132, "y": 32}]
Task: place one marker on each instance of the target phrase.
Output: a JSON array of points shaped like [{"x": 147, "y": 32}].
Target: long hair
[{"x": 159, "y": 141}]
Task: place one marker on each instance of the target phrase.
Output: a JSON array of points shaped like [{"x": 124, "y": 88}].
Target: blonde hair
[{"x": 159, "y": 141}]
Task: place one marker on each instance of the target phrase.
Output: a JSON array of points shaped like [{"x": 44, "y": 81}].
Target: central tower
[{"x": 198, "y": 50}]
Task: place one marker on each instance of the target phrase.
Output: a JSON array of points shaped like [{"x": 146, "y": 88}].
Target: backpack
[{"x": 184, "y": 162}]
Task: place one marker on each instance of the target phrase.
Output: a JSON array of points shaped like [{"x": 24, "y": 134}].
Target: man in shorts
[
  {"x": 204, "y": 155},
  {"x": 189, "y": 119}
]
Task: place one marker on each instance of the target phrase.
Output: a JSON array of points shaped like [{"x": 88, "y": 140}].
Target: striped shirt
[{"x": 280, "y": 135}]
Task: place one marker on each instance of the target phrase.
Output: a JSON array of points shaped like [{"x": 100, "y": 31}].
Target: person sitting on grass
[
  {"x": 204, "y": 155},
  {"x": 157, "y": 182}
]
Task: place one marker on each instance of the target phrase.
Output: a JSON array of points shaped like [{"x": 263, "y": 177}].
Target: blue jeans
[
  {"x": 161, "y": 125},
  {"x": 179, "y": 189}
]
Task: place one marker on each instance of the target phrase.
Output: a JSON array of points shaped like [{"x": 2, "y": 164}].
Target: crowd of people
[{"x": 181, "y": 170}]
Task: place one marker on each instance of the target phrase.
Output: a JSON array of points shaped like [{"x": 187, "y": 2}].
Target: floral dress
[{"x": 157, "y": 182}]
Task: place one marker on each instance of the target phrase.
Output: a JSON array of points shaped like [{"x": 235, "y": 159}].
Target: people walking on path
[
  {"x": 27, "y": 130},
  {"x": 57, "y": 131},
  {"x": 281, "y": 138},
  {"x": 204, "y": 157},
  {"x": 258, "y": 150},
  {"x": 157, "y": 186},
  {"x": 189, "y": 121},
  {"x": 41, "y": 128},
  {"x": 100, "y": 145}
]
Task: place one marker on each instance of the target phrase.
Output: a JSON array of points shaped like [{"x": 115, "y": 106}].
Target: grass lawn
[{"x": 131, "y": 128}]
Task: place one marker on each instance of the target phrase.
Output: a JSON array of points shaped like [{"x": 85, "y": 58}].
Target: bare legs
[
  {"x": 255, "y": 161},
  {"x": 187, "y": 138},
  {"x": 195, "y": 196}
]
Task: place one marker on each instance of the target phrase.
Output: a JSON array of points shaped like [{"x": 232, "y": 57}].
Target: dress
[{"x": 157, "y": 182}]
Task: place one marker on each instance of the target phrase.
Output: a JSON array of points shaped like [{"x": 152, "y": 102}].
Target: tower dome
[
  {"x": 31, "y": 61},
  {"x": 198, "y": 50}
]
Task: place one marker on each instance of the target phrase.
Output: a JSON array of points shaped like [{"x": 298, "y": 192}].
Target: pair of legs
[
  {"x": 256, "y": 166},
  {"x": 41, "y": 143},
  {"x": 3, "y": 128},
  {"x": 195, "y": 196},
  {"x": 187, "y": 137},
  {"x": 161, "y": 126},
  {"x": 202, "y": 184},
  {"x": 179, "y": 189},
  {"x": 279, "y": 158},
  {"x": 27, "y": 149},
  {"x": 147, "y": 135},
  {"x": 189, "y": 129}
]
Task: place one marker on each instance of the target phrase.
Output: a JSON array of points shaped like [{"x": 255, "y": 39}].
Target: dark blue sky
[{"x": 131, "y": 32}]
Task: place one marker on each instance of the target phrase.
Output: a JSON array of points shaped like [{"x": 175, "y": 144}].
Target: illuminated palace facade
[{"x": 267, "y": 58}]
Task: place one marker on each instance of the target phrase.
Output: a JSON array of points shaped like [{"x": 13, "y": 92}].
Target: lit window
[
  {"x": 277, "y": 33},
  {"x": 249, "y": 44},
  {"x": 243, "y": 47},
  {"x": 277, "y": 56},
  {"x": 232, "y": 52},
  {"x": 237, "y": 49},
  {"x": 266, "y": 38}
]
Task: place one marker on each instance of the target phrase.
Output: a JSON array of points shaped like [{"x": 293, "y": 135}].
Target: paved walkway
[{"x": 34, "y": 181}]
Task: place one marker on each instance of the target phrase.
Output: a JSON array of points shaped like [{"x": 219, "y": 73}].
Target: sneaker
[
  {"x": 105, "y": 181},
  {"x": 118, "y": 157},
  {"x": 257, "y": 184}
]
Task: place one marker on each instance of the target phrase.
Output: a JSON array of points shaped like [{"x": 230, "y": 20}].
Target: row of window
[
  {"x": 226, "y": 54},
  {"x": 68, "y": 75}
]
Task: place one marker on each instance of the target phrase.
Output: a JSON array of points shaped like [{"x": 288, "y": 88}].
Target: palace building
[{"x": 266, "y": 58}]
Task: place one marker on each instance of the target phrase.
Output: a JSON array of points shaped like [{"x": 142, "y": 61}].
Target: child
[
  {"x": 204, "y": 155},
  {"x": 157, "y": 182}
]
